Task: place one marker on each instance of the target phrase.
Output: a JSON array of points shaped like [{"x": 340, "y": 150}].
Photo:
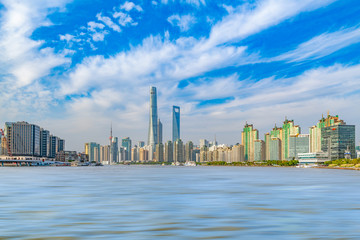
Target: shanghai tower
[{"x": 153, "y": 119}]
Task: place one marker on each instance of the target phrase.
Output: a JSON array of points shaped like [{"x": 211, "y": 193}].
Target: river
[{"x": 168, "y": 202}]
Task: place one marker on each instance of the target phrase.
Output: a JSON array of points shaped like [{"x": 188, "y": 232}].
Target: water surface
[{"x": 167, "y": 202}]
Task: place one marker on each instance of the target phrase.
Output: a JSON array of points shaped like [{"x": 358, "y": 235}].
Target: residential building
[
  {"x": 159, "y": 152},
  {"x": 248, "y": 137},
  {"x": 259, "y": 150},
  {"x": 178, "y": 151}
]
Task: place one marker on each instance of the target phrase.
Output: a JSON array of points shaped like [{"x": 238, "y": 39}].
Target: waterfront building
[
  {"x": 267, "y": 139},
  {"x": 67, "y": 156},
  {"x": 105, "y": 154},
  {"x": 238, "y": 153},
  {"x": 54, "y": 146},
  {"x": 44, "y": 143},
  {"x": 153, "y": 119},
  {"x": 189, "y": 154},
  {"x": 175, "y": 123},
  {"x": 134, "y": 153},
  {"x": 275, "y": 149},
  {"x": 143, "y": 154},
  {"x": 141, "y": 144},
  {"x": 298, "y": 144},
  {"x": 289, "y": 129},
  {"x": 114, "y": 150},
  {"x": 178, "y": 151},
  {"x": 168, "y": 151},
  {"x": 159, "y": 152},
  {"x": 248, "y": 137},
  {"x": 337, "y": 139},
  {"x": 203, "y": 153},
  {"x": 259, "y": 150},
  {"x": 312, "y": 158},
  {"x": 126, "y": 144},
  {"x": 61, "y": 145},
  {"x": 159, "y": 131},
  {"x": 204, "y": 142},
  {"x": 315, "y": 131},
  {"x": 23, "y": 138},
  {"x": 93, "y": 151}
]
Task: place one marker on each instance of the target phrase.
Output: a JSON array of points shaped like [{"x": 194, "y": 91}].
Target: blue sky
[{"x": 73, "y": 66}]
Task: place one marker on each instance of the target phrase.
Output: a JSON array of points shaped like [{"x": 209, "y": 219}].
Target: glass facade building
[
  {"x": 126, "y": 144},
  {"x": 298, "y": 144},
  {"x": 336, "y": 139},
  {"x": 153, "y": 119},
  {"x": 176, "y": 124}
]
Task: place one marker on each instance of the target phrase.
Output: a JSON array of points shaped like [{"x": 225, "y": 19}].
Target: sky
[{"x": 74, "y": 67}]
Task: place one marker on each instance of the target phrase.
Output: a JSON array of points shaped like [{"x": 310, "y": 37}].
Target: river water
[{"x": 168, "y": 202}]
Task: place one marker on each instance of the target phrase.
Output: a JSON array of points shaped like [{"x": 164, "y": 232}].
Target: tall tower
[
  {"x": 153, "y": 119},
  {"x": 176, "y": 124},
  {"x": 159, "y": 131},
  {"x": 248, "y": 137}
]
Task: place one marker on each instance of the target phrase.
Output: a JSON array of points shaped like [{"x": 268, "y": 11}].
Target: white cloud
[
  {"x": 128, "y": 6},
  {"x": 184, "y": 22},
  {"x": 94, "y": 26},
  {"x": 108, "y": 22},
  {"x": 322, "y": 45},
  {"x": 24, "y": 58},
  {"x": 251, "y": 19},
  {"x": 196, "y": 3},
  {"x": 124, "y": 19}
]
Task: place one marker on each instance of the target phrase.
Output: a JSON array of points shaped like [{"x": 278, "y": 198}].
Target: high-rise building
[
  {"x": 238, "y": 153},
  {"x": 259, "y": 150},
  {"x": 23, "y": 138},
  {"x": 126, "y": 144},
  {"x": 204, "y": 142},
  {"x": 168, "y": 151},
  {"x": 189, "y": 154},
  {"x": 178, "y": 151},
  {"x": 160, "y": 131},
  {"x": 61, "y": 145},
  {"x": 248, "y": 137},
  {"x": 143, "y": 154},
  {"x": 44, "y": 143},
  {"x": 93, "y": 151},
  {"x": 337, "y": 139},
  {"x": 54, "y": 146},
  {"x": 134, "y": 153},
  {"x": 315, "y": 131},
  {"x": 105, "y": 154},
  {"x": 159, "y": 152},
  {"x": 114, "y": 150},
  {"x": 176, "y": 123},
  {"x": 298, "y": 144},
  {"x": 141, "y": 144},
  {"x": 288, "y": 130},
  {"x": 153, "y": 119},
  {"x": 267, "y": 139},
  {"x": 275, "y": 149}
]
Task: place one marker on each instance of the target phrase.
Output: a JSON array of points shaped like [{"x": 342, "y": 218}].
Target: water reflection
[{"x": 151, "y": 202}]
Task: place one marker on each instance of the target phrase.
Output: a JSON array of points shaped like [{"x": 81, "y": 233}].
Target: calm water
[{"x": 166, "y": 202}]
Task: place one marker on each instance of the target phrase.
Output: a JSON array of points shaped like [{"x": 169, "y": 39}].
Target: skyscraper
[
  {"x": 168, "y": 151},
  {"x": 153, "y": 119},
  {"x": 315, "y": 131},
  {"x": 289, "y": 129},
  {"x": 114, "y": 150},
  {"x": 248, "y": 137},
  {"x": 159, "y": 131},
  {"x": 126, "y": 144},
  {"x": 176, "y": 124}
]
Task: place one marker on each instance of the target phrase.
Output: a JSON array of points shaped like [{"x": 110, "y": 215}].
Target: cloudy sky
[{"x": 75, "y": 66}]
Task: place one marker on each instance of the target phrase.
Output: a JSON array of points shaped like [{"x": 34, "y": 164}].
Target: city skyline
[{"x": 224, "y": 63}]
